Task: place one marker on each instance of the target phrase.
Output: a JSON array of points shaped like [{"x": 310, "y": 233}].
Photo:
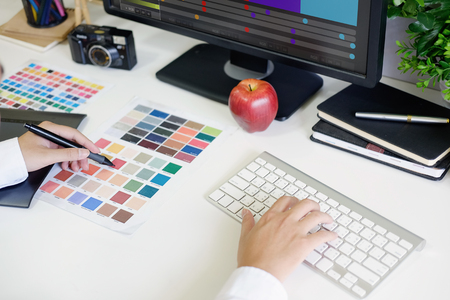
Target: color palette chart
[
  {"x": 123, "y": 197},
  {"x": 164, "y": 133},
  {"x": 39, "y": 86}
]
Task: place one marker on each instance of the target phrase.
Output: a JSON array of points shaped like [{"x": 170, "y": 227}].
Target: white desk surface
[{"x": 188, "y": 248}]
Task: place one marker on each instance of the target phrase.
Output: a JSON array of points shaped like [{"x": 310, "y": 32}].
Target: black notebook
[
  {"x": 335, "y": 137},
  {"x": 426, "y": 144},
  {"x": 12, "y": 120}
]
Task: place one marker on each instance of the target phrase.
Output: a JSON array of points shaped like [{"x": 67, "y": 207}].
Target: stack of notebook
[
  {"x": 18, "y": 31},
  {"x": 420, "y": 149}
]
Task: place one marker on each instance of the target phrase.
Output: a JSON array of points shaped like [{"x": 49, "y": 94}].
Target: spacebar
[{"x": 363, "y": 273}]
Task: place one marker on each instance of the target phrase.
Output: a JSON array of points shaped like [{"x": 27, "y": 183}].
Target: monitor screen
[{"x": 343, "y": 39}]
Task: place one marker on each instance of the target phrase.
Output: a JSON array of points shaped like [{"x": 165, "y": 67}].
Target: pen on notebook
[
  {"x": 402, "y": 118},
  {"x": 65, "y": 143}
]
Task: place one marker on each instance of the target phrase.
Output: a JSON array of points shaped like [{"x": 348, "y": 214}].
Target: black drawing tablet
[{"x": 12, "y": 121}]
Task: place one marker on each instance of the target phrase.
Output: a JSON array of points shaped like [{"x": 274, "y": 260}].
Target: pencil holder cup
[{"x": 44, "y": 13}]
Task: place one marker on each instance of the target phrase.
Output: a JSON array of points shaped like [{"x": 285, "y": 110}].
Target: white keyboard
[{"x": 369, "y": 246}]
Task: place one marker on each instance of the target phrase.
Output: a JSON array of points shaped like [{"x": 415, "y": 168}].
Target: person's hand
[
  {"x": 279, "y": 242},
  {"x": 39, "y": 152}
]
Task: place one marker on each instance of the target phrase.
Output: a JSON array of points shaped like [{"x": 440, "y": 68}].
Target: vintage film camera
[{"x": 103, "y": 46}]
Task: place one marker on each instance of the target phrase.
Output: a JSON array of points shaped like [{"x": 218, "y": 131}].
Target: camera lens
[{"x": 103, "y": 55}]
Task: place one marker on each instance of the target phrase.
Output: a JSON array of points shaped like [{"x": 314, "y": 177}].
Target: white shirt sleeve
[
  {"x": 12, "y": 166},
  {"x": 249, "y": 283}
]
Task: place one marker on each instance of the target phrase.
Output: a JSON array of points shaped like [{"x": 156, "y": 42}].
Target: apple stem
[{"x": 250, "y": 87}]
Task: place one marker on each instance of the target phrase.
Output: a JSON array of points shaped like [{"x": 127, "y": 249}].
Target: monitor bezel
[{"x": 377, "y": 28}]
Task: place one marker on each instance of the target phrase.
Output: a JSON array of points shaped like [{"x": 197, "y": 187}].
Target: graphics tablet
[{"x": 12, "y": 121}]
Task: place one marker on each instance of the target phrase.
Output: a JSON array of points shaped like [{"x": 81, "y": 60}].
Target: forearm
[
  {"x": 12, "y": 166},
  {"x": 249, "y": 283}
]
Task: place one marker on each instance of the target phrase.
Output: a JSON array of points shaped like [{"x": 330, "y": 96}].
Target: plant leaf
[{"x": 426, "y": 19}]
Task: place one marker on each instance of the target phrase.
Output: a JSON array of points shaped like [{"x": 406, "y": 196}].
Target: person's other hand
[
  {"x": 279, "y": 242},
  {"x": 39, "y": 152}
]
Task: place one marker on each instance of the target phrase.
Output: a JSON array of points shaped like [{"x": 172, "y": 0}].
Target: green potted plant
[{"x": 428, "y": 50}]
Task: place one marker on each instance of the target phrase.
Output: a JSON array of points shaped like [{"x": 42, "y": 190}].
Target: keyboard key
[
  {"x": 322, "y": 197},
  {"x": 300, "y": 184},
  {"x": 364, "y": 245},
  {"x": 333, "y": 213},
  {"x": 239, "y": 182},
  {"x": 363, "y": 273},
  {"x": 356, "y": 227},
  {"x": 216, "y": 195},
  {"x": 347, "y": 283},
  {"x": 343, "y": 261},
  {"x": 310, "y": 190},
  {"x": 291, "y": 189},
  {"x": 260, "y": 161},
  {"x": 262, "y": 172},
  {"x": 355, "y": 216},
  {"x": 247, "y": 175},
  {"x": 395, "y": 249},
  {"x": 324, "y": 264},
  {"x": 332, "y": 253},
  {"x": 232, "y": 191},
  {"x": 270, "y": 201},
  {"x": 280, "y": 172},
  {"x": 269, "y": 167},
  {"x": 379, "y": 229},
  {"x": 271, "y": 178},
  {"x": 267, "y": 187},
  {"x": 330, "y": 226},
  {"x": 376, "y": 266},
  {"x": 251, "y": 190},
  {"x": 379, "y": 241},
  {"x": 256, "y": 206},
  {"x": 367, "y": 222},
  {"x": 377, "y": 253},
  {"x": 313, "y": 257},
  {"x": 389, "y": 260},
  {"x": 359, "y": 290},
  {"x": 321, "y": 248},
  {"x": 344, "y": 209},
  {"x": 341, "y": 231},
  {"x": 333, "y": 274},
  {"x": 335, "y": 243},
  {"x": 247, "y": 200},
  {"x": 277, "y": 193},
  {"x": 235, "y": 207},
  {"x": 225, "y": 201},
  {"x": 253, "y": 167},
  {"x": 258, "y": 182},
  {"x": 261, "y": 196},
  {"x": 392, "y": 237},
  {"x": 344, "y": 220},
  {"x": 367, "y": 234},
  {"x": 405, "y": 244},
  {"x": 350, "y": 277},
  {"x": 346, "y": 248},
  {"x": 333, "y": 202},
  {"x": 324, "y": 207},
  {"x": 358, "y": 256},
  {"x": 281, "y": 183},
  {"x": 289, "y": 178},
  {"x": 300, "y": 195}
]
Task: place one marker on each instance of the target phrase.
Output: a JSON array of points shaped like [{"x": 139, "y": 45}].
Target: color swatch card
[
  {"x": 154, "y": 150},
  {"x": 39, "y": 86}
]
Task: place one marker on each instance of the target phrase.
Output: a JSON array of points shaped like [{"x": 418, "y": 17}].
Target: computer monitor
[{"x": 284, "y": 42}]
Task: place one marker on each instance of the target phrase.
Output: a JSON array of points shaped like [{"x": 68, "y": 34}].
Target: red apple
[{"x": 253, "y": 104}]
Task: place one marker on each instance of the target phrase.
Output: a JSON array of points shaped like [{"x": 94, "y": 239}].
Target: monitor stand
[{"x": 201, "y": 70}]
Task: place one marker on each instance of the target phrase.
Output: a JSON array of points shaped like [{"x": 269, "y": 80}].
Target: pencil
[
  {"x": 60, "y": 8},
  {"x": 40, "y": 12}
]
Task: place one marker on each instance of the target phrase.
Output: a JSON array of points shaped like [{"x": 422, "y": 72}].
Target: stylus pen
[
  {"x": 65, "y": 143},
  {"x": 401, "y": 118}
]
